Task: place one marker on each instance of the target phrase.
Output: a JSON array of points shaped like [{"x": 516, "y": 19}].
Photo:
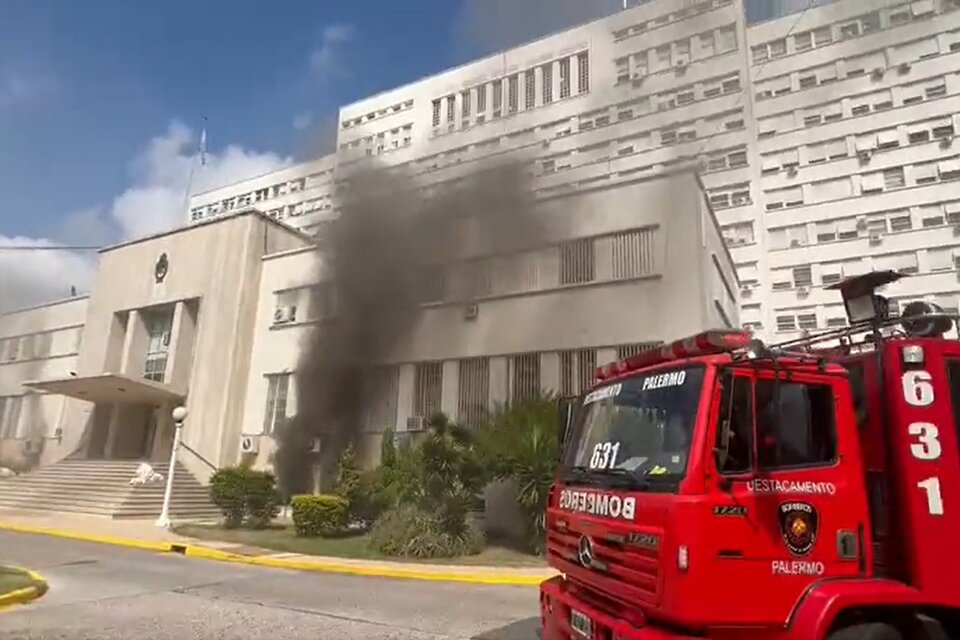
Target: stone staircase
[{"x": 102, "y": 488}]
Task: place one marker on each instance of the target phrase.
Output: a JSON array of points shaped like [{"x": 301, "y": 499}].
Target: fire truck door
[
  {"x": 808, "y": 491},
  {"x": 790, "y": 520}
]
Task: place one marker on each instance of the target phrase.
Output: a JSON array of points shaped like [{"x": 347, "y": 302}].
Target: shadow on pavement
[{"x": 527, "y": 629}]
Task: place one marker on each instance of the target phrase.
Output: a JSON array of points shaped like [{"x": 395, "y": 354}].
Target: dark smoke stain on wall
[{"x": 384, "y": 251}]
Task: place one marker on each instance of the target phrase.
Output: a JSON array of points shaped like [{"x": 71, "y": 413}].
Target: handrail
[{"x": 202, "y": 459}]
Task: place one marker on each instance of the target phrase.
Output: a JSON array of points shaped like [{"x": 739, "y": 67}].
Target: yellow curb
[
  {"x": 371, "y": 571},
  {"x": 198, "y": 551},
  {"x": 26, "y": 594},
  {"x": 89, "y": 537}
]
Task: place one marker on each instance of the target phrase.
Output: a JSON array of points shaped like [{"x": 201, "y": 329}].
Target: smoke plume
[{"x": 385, "y": 253}]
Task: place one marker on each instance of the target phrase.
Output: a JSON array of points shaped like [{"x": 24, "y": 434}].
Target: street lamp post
[{"x": 179, "y": 415}]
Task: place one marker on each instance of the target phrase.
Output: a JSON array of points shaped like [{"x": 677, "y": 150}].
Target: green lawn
[
  {"x": 13, "y": 579},
  {"x": 282, "y": 538}
]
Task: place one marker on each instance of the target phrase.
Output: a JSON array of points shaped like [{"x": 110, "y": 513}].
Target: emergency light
[{"x": 701, "y": 344}]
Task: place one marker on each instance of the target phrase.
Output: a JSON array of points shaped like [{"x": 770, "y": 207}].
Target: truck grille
[{"x": 626, "y": 566}]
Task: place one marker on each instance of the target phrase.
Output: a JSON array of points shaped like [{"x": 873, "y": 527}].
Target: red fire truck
[{"x": 720, "y": 488}]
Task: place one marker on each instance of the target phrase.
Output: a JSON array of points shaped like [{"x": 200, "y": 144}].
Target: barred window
[
  {"x": 427, "y": 389},
  {"x": 546, "y": 81},
  {"x": 473, "y": 398},
  {"x": 525, "y": 376},
  {"x": 583, "y": 71},
  {"x": 564, "y": 78},
  {"x": 633, "y": 254},
  {"x": 530, "y": 89},
  {"x": 578, "y": 369},
  {"x": 577, "y": 262}
]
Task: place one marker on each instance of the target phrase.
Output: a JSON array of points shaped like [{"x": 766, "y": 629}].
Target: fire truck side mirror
[{"x": 566, "y": 406}]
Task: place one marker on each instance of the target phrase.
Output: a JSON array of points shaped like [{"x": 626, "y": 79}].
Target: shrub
[
  {"x": 245, "y": 496},
  {"x": 355, "y": 488},
  {"x": 322, "y": 515},
  {"x": 519, "y": 443},
  {"x": 409, "y": 531}
]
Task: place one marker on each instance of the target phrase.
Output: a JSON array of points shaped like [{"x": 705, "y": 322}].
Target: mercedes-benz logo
[{"x": 585, "y": 551}]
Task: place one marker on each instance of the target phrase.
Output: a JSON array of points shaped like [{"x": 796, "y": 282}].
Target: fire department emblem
[
  {"x": 585, "y": 551},
  {"x": 798, "y": 526}
]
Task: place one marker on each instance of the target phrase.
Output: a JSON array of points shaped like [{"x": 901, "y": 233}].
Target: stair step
[{"x": 102, "y": 487}]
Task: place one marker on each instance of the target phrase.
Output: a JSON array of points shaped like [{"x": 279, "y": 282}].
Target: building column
[
  {"x": 450, "y": 389},
  {"x": 405, "y": 395},
  {"x": 183, "y": 330},
  {"x": 550, "y": 371},
  {"x": 134, "y": 355},
  {"x": 113, "y": 426},
  {"x": 499, "y": 381},
  {"x": 606, "y": 356}
]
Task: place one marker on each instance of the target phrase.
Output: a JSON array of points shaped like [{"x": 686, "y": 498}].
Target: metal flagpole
[{"x": 202, "y": 152}]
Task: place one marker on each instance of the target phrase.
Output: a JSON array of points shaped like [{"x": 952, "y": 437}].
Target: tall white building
[
  {"x": 857, "y": 116},
  {"x": 824, "y": 135}
]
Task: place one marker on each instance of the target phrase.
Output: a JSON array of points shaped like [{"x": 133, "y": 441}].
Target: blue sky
[{"x": 85, "y": 86}]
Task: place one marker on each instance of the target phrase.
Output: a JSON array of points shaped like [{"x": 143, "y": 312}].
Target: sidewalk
[{"x": 143, "y": 534}]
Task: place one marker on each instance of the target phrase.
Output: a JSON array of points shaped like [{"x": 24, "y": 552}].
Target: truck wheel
[{"x": 867, "y": 631}]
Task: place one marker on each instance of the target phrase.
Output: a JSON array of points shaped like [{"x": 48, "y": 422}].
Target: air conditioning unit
[
  {"x": 470, "y": 312},
  {"x": 795, "y": 243},
  {"x": 946, "y": 142},
  {"x": 877, "y": 72},
  {"x": 746, "y": 292},
  {"x": 864, "y": 155},
  {"x": 285, "y": 314},
  {"x": 861, "y": 223},
  {"x": 956, "y": 229},
  {"x": 31, "y": 446},
  {"x": 165, "y": 339},
  {"x": 249, "y": 444},
  {"x": 875, "y": 238},
  {"x": 904, "y": 67},
  {"x": 416, "y": 423},
  {"x": 315, "y": 446}
]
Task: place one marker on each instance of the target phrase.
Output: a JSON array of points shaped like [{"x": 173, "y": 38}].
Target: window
[
  {"x": 778, "y": 48},
  {"x": 427, "y": 389},
  {"x": 278, "y": 385},
  {"x": 525, "y": 376},
  {"x": 513, "y": 83},
  {"x": 481, "y": 100},
  {"x": 497, "y": 98},
  {"x": 728, "y": 38},
  {"x": 473, "y": 391},
  {"x": 788, "y": 434},
  {"x": 158, "y": 345},
  {"x": 893, "y": 178},
  {"x": 735, "y": 431},
  {"x": 583, "y": 71},
  {"x": 953, "y": 379},
  {"x": 577, "y": 371},
  {"x": 465, "y": 104},
  {"x": 546, "y": 82},
  {"x": 802, "y": 276},
  {"x": 564, "y": 78},
  {"x": 529, "y": 89},
  {"x": 633, "y": 254},
  {"x": 577, "y": 262},
  {"x": 436, "y": 113}
]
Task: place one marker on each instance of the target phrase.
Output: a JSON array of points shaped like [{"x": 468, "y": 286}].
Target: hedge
[{"x": 322, "y": 515}]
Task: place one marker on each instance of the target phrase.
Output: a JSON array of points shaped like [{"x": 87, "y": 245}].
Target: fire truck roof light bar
[{"x": 701, "y": 344}]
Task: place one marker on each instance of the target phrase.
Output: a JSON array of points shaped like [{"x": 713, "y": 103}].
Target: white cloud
[
  {"x": 302, "y": 120},
  {"x": 19, "y": 86},
  {"x": 155, "y": 201},
  {"x": 325, "y": 62}
]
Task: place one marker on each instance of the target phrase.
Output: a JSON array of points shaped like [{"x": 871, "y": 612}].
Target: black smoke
[{"x": 383, "y": 254}]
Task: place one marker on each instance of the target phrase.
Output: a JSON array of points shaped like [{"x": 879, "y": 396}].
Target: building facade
[{"x": 824, "y": 134}]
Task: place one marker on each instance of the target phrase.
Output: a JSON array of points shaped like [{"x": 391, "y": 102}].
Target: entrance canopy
[{"x": 110, "y": 387}]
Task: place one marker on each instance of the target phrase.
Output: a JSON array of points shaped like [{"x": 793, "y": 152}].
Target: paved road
[{"x": 100, "y": 592}]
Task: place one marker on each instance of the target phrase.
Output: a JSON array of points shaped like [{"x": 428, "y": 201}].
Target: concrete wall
[
  {"x": 692, "y": 287},
  {"x": 35, "y": 343},
  {"x": 218, "y": 266}
]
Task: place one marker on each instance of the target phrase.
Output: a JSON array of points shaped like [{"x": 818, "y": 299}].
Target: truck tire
[{"x": 867, "y": 631}]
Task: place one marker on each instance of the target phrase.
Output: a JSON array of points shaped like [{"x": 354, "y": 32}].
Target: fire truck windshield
[{"x": 637, "y": 430}]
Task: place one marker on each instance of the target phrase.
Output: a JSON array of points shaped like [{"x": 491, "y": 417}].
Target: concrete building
[{"x": 857, "y": 118}]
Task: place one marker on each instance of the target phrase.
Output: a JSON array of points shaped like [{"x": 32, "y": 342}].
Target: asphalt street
[{"x": 103, "y": 592}]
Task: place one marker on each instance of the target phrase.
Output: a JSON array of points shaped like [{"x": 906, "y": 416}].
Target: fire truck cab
[{"x": 718, "y": 487}]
